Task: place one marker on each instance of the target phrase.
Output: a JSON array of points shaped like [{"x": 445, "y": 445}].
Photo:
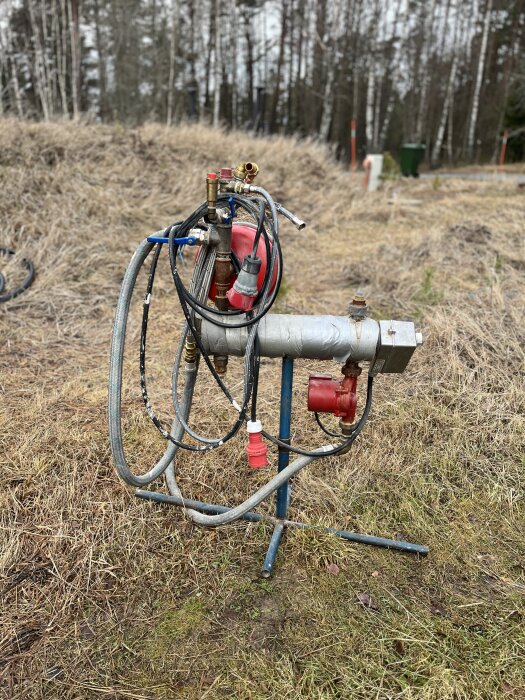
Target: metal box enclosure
[{"x": 397, "y": 342}]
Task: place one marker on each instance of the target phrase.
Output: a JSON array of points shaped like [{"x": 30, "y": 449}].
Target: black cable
[
  {"x": 187, "y": 301},
  {"x": 260, "y": 224},
  {"x": 142, "y": 361},
  {"x": 345, "y": 445},
  {"x": 255, "y": 389},
  {"x": 325, "y": 429},
  {"x": 165, "y": 433},
  {"x": 27, "y": 282},
  {"x": 199, "y": 307},
  {"x": 204, "y": 310}
]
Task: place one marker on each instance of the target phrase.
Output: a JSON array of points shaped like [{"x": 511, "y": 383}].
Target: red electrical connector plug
[
  {"x": 245, "y": 288},
  {"x": 238, "y": 300},
  {"x": 256, "y": 449}
]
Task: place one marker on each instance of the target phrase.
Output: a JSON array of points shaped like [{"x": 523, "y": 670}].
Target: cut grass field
[{"x": 104, "y": 596}]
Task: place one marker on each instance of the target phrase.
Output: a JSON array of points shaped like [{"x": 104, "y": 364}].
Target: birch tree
[
  {"x": 172, "y": 59},
  {"x": 449, "y": 95},
  {"x": 74, "y": 33},
  {"x": 331, "y": 60},
  {"x": 217, "y": 68},
  {"x": 479, "y": 78},
  {"x": 39, "y": 67}
]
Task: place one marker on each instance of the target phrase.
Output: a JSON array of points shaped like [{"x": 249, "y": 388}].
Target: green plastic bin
[{"x": 410, "y": 157}]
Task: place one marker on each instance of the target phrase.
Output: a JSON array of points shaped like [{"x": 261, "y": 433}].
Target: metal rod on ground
[
  {"x": 278, "y": 531},
  {"x": 195, "y": 505}
]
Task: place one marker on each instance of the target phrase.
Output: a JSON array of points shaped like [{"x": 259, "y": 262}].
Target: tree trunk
[
  {"x": 102, "y": 67},
  {"x": 509, "y": 63},
  {"x": 171, "y": 75},
  {"x": 436, "y": 151},
  {"x": 479, "y": 80},
  {"x": 74, "y": 31},
  {"x": 450, "y": 130},
  {"x": 392, "y": 74},
  {"x": 280, "y": 62},
  {"x": 370, "y": 95},
  {"x": 39, "y": 71},
  {"x": 217, "y": 70},
  {"x": 248, "y": 37},
  {"x": 425, "y": 78},
  {"x": 16, "y": 88},
  {"x": 371, "y": 86},
  {"x": 331, "y": 59}
]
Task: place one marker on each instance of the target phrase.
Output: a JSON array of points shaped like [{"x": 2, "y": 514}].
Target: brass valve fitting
[
  {"x": 212, "y": 192},
  {"x": 246, "y": 172}
]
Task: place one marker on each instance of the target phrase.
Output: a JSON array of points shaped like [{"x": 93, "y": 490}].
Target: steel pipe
[{"x": 311, "y": 337}]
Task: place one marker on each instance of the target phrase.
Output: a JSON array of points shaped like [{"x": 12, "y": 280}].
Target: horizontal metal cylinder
[{"x": 309, "y": 337}]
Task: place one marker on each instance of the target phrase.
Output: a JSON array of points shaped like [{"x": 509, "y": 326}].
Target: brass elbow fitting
[
  {"x": 251, "y": 170},
  {"x": 246, "y": 172},
  {"x": 239, "y": 173}
]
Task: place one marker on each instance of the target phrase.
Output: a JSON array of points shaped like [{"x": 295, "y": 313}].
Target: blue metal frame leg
[{"x": 283, "y": 492}]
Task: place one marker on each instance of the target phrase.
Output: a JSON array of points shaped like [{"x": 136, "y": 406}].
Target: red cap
[
  {"x": 226, "y": 173},
  {"x": 212, "y": 176}
]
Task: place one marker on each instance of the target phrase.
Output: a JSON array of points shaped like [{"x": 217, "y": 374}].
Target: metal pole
[
  {"x": 284, "y": 434},
  {"x": 279, "y": 527},
  {"x": 211, "y": 508},
  {"x": 283, "y": 492}
]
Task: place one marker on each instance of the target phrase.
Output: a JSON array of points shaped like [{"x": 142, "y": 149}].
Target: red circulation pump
[{"x": 327, "y": 395}]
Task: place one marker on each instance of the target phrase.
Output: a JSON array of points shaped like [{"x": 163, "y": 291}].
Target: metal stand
[{"x": 283, "y": 495}]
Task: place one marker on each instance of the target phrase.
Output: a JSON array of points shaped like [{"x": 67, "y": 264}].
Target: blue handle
[{"x": 188, "y": 240}]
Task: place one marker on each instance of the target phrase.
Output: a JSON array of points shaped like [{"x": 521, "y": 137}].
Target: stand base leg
[
  {"x": 279, "y": 527},
  {"x": 271, "y": 554}
]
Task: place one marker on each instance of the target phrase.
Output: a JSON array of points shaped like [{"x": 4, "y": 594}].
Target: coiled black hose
[{"x": 27, "y": 282}]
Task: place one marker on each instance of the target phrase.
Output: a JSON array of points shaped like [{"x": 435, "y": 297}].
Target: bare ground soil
[{"x": 104, "y": 596}]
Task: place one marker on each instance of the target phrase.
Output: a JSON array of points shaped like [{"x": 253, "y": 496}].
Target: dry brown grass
[{"x": 104, "y": 596}]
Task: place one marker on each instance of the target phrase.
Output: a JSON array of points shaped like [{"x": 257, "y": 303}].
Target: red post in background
[
  {"x": 503, "y": 149},
  {"x": 353, "y": 142}
]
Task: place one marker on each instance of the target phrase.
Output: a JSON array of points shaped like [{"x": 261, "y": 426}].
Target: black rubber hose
[
  {"x": 205, "y": 311},
  {"x": 212, "y": 444},
  {"x": 27, "y": 282},
  {"x": 260, "y": 224},
  {"x": 200, "y": 308}
]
